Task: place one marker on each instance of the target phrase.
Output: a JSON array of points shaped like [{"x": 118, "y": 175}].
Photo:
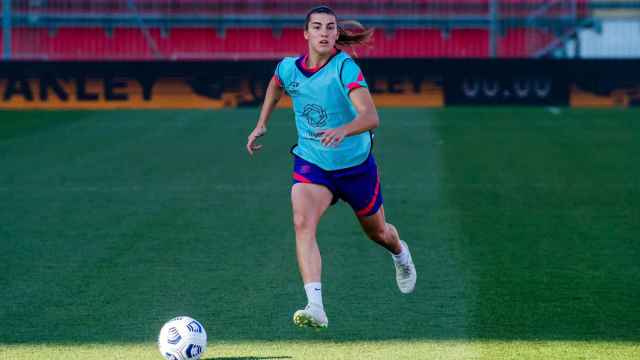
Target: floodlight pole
[{"x": 6, "y": 29}]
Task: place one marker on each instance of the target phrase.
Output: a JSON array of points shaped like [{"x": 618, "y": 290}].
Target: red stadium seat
[
  {"x": 521, "y": 42},
  {"x": 128, "y": 42},
  {"x": 260, "y": 43}
]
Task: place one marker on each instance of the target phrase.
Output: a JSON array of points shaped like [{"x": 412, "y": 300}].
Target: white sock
[
  {"x": 402, "y": 257},
  {"x": 314, "y": 293}
]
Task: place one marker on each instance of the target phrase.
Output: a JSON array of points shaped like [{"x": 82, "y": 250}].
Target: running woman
[{"x": 335, "y": 116}]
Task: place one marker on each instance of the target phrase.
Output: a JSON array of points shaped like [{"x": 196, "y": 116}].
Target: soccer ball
[{"x": 182, "y": 338}]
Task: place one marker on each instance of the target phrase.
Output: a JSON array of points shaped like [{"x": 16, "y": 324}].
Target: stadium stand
[{"x": 251, "y": 29}]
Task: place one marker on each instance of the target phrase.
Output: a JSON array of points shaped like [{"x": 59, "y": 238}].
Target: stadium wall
[{"x": 393, "y": 82}]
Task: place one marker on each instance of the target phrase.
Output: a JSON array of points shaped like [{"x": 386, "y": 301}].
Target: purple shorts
[{"x": 359, "y": 186}]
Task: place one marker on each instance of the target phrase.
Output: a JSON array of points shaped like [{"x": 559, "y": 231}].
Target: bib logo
[
  {"x": 292, "y": 89},
  {"x": 315, "y": 115}
]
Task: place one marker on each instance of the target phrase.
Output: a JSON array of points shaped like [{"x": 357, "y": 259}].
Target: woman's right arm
[{"x": 271, "y": 98}]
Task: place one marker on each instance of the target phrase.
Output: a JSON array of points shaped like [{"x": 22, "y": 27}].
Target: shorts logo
[
  {"x": 305, "y": 169},
  {"x": 315, "y": 115}
]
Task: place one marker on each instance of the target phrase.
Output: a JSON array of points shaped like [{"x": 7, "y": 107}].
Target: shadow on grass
[{"x": 248, "y": 358}]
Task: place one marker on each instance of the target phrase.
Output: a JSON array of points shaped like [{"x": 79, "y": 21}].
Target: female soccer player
[{"x": 334, "y": 115}]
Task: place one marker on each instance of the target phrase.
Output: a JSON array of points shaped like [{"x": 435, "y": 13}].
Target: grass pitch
[{"x": 523, "y": 224}]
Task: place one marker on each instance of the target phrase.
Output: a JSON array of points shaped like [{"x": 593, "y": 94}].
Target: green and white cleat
[
  {"x": 312, "y": 316},
  {"x": 406, "y": 274}
]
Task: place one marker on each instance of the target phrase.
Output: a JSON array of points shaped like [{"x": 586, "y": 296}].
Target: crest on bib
[{"x": 316, "y": 116}]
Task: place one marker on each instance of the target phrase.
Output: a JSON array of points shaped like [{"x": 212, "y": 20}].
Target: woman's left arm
[{"x": 367, "y": 119}]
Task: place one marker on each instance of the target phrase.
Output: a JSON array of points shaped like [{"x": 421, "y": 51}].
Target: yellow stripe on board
[
  {"x": 617, "y": 98},
  {"x": 167, "y": 93},
  {"x": 101, "y": 94},
  {"x": 176, "y": 93}
]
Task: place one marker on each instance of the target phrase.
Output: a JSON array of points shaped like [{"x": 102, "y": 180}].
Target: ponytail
[{"x": 349, "y": 37}]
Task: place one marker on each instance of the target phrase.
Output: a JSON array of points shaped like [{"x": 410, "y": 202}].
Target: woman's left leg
[
  {"x": 386, "y": 235},
  {"x": 361, "y": 188},
  {"x": 379, "y": 230}
]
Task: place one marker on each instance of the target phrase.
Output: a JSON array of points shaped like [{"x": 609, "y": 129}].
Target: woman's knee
[{"x": 303, "y": 223}]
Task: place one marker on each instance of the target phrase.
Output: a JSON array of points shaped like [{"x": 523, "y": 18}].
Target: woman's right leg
[{"x": 309, "y": 202}]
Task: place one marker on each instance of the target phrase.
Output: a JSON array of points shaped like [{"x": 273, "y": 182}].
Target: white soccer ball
[{"x": 182, "y": 338}]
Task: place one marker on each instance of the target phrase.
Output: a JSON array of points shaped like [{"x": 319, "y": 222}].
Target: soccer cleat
[
  {"x": 312, "y": 316},
  {"x": 406, "y": 273}
]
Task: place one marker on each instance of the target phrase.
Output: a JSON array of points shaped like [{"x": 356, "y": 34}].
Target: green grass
[
  {"x": 523, "y": 224},
  {"x": 377, "y": 350}
]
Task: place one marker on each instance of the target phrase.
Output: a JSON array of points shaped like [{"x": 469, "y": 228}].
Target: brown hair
[{"x": 346, "y": 37}]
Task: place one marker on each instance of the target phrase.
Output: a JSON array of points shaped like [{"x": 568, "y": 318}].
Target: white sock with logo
[
  {"x": 314, "y": 293},
  {"x": 403, "y": 257}
]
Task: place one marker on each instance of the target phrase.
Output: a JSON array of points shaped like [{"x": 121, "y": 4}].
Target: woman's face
[{"x": 321, "y": 33}]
